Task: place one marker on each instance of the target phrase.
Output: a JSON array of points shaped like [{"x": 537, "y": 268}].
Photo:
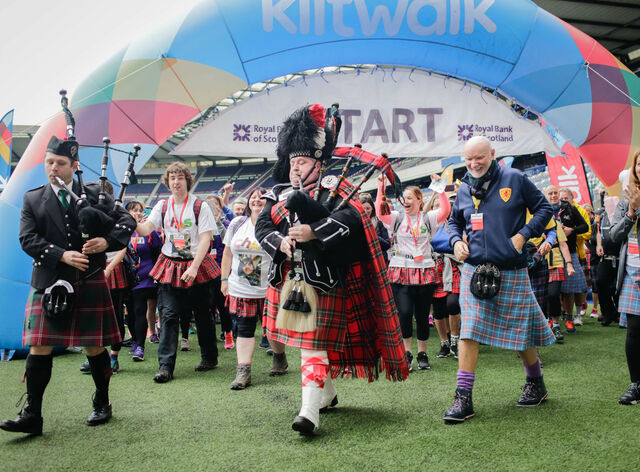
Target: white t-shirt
[
  {"x": 418, "y": 229},
  {"x": 182, "y": 242},
  {"x": 250, "y": 264}
]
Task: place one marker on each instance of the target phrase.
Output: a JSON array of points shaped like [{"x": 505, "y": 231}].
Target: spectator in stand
[
  {"x": 412, "y": 271},
  {"x": 148, "y": 250},
  {"x": 217, "y": 300},
  {"x": 625, "y": 232},
  {"x": 575, "y": 289},
  {"x": 491, "y": 208},
  {"x": 184, "y": 269},
  {"x": 383, "y": 235},
  {"x": 245, "y": 266}
]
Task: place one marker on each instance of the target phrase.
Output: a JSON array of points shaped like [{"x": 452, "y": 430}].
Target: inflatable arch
[{"x": 155, "y": 85}]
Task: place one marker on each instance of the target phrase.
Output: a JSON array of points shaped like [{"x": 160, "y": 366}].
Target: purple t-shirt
[{"x": 143, "y": 245}]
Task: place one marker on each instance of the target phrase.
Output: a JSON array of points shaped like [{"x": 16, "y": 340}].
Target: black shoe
[
  {"x": 163, "y": 376},
  {"x": 462, "y": 408},
  {"x": 264, "y": 344},
  {"x": 558, "y": 334},
  {"x": 27, "y": 421},
  {"x": 128, "y": 342},
  {"x": 445, "y": 350},
  {"x": 279, "y": 366},
  {"x": 423, "y": 361},
  {"x": 533, "y": 392},
  {"x": 101, "y": 413},
  {"x": 304, "y": 426},
  {"x": 409, "y": 357},
  {"x": 333, "y": 403},
  {"x": 454, "y": 349},
  {"x": 630, "y": 397},
  {"x": 85, "y": 368},
  {"x": 206, "y": 365}
]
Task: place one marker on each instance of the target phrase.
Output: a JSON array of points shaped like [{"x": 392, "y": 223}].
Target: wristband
[{"x": 222, "y": 280}]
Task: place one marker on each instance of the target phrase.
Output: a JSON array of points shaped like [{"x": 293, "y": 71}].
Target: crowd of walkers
[{"x": 491, "y": 260}]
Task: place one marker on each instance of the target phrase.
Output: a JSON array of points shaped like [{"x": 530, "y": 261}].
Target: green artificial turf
[{"x": 197, "y": 423}]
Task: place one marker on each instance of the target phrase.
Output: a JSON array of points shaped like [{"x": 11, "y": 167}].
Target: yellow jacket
[{"x": 584, "y": 237}]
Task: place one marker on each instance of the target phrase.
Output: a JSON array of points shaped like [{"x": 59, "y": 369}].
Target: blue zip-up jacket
[{"x": 504, "y": 210}]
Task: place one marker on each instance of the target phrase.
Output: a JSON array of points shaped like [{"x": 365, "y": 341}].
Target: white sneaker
[
  {"x": 184, "y": 345},
  {"x": 594, "y": 314},
  {"x": 577, "y": 319}
]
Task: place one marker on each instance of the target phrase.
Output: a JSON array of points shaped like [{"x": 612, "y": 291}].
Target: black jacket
[
  {"x": 47, "y": 231},
  {"x": 340, "y": 241},
  {"x": 619, "y": 232}
]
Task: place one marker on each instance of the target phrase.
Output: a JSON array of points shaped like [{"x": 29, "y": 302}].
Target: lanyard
[
  {"x": 476, "y": 202},
  {"x": 173, "y": 208},
  {"x": 412, "y": 231},
  {"x": 134, "y": 241}
]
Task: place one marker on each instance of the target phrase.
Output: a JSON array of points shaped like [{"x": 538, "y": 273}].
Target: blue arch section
[{"x": 509, "y": 45}]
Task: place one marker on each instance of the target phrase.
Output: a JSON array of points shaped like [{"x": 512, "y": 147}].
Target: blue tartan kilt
[
  {"x": 577, "y": 283},
  {"x": 539, "y": 277},
  {"x": 629, "y": 301},
  {"x": 511, "y": 320}
]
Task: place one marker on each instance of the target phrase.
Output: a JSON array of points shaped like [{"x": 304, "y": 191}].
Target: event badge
[
  {"x": 633, "y": 247},
  {"x": 417, "y": 256},
  {"x": 477, "y": 222},
  {"x": 179, "y": 242}
]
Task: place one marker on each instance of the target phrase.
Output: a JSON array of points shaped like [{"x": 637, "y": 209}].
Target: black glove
[{"x": 308, "y": 210}]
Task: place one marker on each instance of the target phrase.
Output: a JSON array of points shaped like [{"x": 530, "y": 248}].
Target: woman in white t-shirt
[
  {"x": 244, "y": 282},
  {"x": 412, "y": 270}
]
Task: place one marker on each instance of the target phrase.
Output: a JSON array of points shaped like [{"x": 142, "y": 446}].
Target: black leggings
[
  {"x": 246, "y": 326},
  {"x": 553, "y": 300},
  {"x": 443, "y": 307},
  {"x": 413, "y": 300},
  {"x": 139, "y": 298},
  {"x": 117, "y": 298},
  {"x": 217, "y": 302},
  {"x": 632, "y": 347}
]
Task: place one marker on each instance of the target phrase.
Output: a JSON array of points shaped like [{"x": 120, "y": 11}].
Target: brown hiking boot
[
  {"x": 280, "y": 365},
  {"x": 243, "y": 377}
]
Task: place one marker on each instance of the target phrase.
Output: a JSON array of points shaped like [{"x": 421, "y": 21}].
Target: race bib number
[
  {"x": 477, "y": 222},
  {"x": 417, "y": 256}
]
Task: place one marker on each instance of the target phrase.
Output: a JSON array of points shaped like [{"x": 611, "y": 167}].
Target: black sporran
[
  {"x": 58, "y": 300},
  {"x": 485, "y": 282}
]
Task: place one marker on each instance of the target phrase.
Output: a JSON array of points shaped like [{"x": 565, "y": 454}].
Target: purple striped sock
[
  {"x": 533, "y": 370},
  {"x": 465, "y": 379}
]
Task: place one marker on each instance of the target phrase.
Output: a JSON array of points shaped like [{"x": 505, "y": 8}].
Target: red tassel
[{"x": 317, "y": 114}]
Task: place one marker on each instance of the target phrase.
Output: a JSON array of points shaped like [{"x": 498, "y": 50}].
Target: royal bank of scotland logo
[
  {"x": 241, "y": 132},
  {"x": 465, "y": 132}
]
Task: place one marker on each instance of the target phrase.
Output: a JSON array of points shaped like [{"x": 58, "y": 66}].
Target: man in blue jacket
[{"x": 491, "y": 209}]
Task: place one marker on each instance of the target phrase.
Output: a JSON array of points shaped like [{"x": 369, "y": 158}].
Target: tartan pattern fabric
[
  {"x": 168, "y": 271},
  {"x": 412, "y": 275},
  {"x": 556, "y": 275},
  {"x": 245, "y": 307},
  {"x": 586, "y": 270},
  {"x": 511, "y": 320},
  {"x": 314, "y": 369},
  {"x": 357, "y": 324},
  {"x": 539, "y": 277},
  {"x": 118, "y": 278},
  {"x": 629, "y": 301},
  {"x": 576, "y": 283},
  {"x": 455, "y": 286},
  {"x": 92, "y": 322}
]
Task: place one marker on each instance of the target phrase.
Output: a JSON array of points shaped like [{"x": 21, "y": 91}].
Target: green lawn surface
[{"x": 196, "y": 423}]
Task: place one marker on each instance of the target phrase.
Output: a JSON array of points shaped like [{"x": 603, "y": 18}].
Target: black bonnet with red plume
[{"x": 310, "y": 131}]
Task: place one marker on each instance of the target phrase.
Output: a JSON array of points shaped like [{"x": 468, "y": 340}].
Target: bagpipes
[
  {"x": 298, "y": 298},
  {"x": 95, "y": 219}
]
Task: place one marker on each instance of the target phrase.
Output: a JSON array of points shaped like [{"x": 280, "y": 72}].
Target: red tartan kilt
[
  {"x": 331, "y": 318},
  {"x": 412, "y": 276},
  {"x": 92, "y": 322},
  {"x": 557, "y": 275},
  {"x": 118, "y": 278},
  {"x": 455, "y": 286},
  {"x": 245, "y": 307},
  {"x": 169, "y": 271}
]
